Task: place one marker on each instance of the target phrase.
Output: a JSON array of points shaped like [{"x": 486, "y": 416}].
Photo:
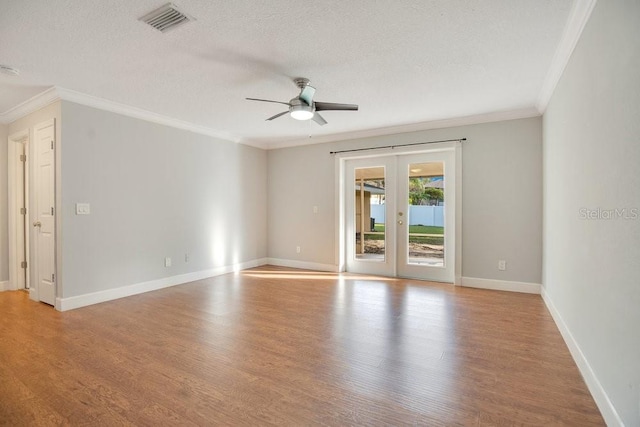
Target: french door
[{"x": 400, "y": 215}]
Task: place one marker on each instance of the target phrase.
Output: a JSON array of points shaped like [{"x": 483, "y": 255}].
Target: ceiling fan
[{"x": 303, "y": 107}]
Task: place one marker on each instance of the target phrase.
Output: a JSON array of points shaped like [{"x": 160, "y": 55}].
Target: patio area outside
[{"x": 426, "y": 244}]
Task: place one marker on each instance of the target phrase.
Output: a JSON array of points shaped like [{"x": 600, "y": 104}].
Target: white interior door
[
  {"x": 44, "y": 220},
  {"x": 400, "y": 215}
]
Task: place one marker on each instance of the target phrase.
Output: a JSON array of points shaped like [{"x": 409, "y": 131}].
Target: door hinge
[
  {"x": 52, "y": 211},
  {"x": 23, "y": 264},
  {"x": 52, "y": 144},
  {"x": 23, "y": 157},
  {"x": 23, "y": 211},
  {"x": 53, "y": 277}
]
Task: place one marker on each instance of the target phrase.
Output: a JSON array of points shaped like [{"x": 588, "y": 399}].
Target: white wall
[
  {"x": 502, "y": 198},
  {"x": 155, "y": 192},
  {"x": 4, "y": 220},
  {"x": 591, "y": 161}
]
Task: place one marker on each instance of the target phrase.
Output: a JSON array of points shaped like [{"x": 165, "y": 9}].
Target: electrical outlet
[
  {"x": 502, "y": 265},
  {"x": 186, "y": 257},
  {"x": 83, "y": 209},
  {"x": 298, "y": 250},
  {"x": 315, "y": 209},
  {"x": 167, "y": 262}
]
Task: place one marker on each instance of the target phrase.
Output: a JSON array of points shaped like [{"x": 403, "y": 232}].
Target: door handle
[
  {"x": 400, "y": 222},
  {"x": 37, "y": 224}
]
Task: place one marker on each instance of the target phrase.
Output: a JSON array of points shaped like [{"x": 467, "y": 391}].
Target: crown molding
[
  {"x": 498, "y": 116},
  {"x": 32, "y": 104},
  {"x": 57, "y": 93},
  {"x": 578, "y": 17},
  {"x": 139, "y": 113}
]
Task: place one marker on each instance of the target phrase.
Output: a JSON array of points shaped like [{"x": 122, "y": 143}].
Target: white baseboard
[
  {"x": 4, "y": 286},
  {"x": 501, "y": 285},
  {"x": 69, "y": 303},
  {"x": 600, "y": 396},
  {"x": 302, "y": 264}
]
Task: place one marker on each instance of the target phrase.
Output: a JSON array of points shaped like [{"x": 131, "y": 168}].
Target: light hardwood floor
[{"x": 291, "y": 347}]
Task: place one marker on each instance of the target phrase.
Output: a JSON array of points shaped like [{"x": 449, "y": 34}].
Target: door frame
[
  {"x": 16, "y": 139},
  {"x": 340, "y": 173}
]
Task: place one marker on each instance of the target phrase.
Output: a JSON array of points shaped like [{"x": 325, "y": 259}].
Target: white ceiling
[{"x": 404, "y": 62}]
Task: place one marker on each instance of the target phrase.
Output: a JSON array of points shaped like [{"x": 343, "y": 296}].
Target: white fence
[{"x": 418, "y": 215}]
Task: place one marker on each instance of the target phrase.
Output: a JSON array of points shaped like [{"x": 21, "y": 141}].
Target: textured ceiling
[{"x": 403, "y": 62}]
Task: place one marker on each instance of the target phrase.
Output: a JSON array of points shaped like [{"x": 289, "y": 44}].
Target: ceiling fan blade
[
  {"x": 307, "y": 94},
  {"x": 319, "y": 119},
  {"x": 277, "y": 115},
  {"x": 266, "y": 100},
  {"x": 324, "y": 106}
]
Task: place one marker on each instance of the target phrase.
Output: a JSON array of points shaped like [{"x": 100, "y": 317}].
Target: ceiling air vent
[{"x": 166, "y": 18}]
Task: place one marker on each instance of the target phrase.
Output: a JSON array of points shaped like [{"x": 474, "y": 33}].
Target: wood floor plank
[{"x": 277, "y": 346}]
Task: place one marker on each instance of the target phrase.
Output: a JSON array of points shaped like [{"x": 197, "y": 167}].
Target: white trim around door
[{"x": 18, "y": 199}]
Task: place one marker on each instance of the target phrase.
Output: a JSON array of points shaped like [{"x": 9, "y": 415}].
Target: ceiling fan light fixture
[{"x": 301, "y": 112}]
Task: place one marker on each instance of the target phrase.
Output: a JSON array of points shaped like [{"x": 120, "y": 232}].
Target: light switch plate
[{"x": 83, "y": 209}]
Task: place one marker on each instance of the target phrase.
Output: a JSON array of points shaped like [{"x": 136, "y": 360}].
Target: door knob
[
  {"x": 400, "y": 222},
  {"x": 37, "y": 224}
]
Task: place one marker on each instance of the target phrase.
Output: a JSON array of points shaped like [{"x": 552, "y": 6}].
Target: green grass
[{"x": 422, "y": 229}]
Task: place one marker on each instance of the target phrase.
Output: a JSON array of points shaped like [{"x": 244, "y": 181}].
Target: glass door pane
[
  {"x": 370, "y": 225},
  {"x": 425, "y": 214}
]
